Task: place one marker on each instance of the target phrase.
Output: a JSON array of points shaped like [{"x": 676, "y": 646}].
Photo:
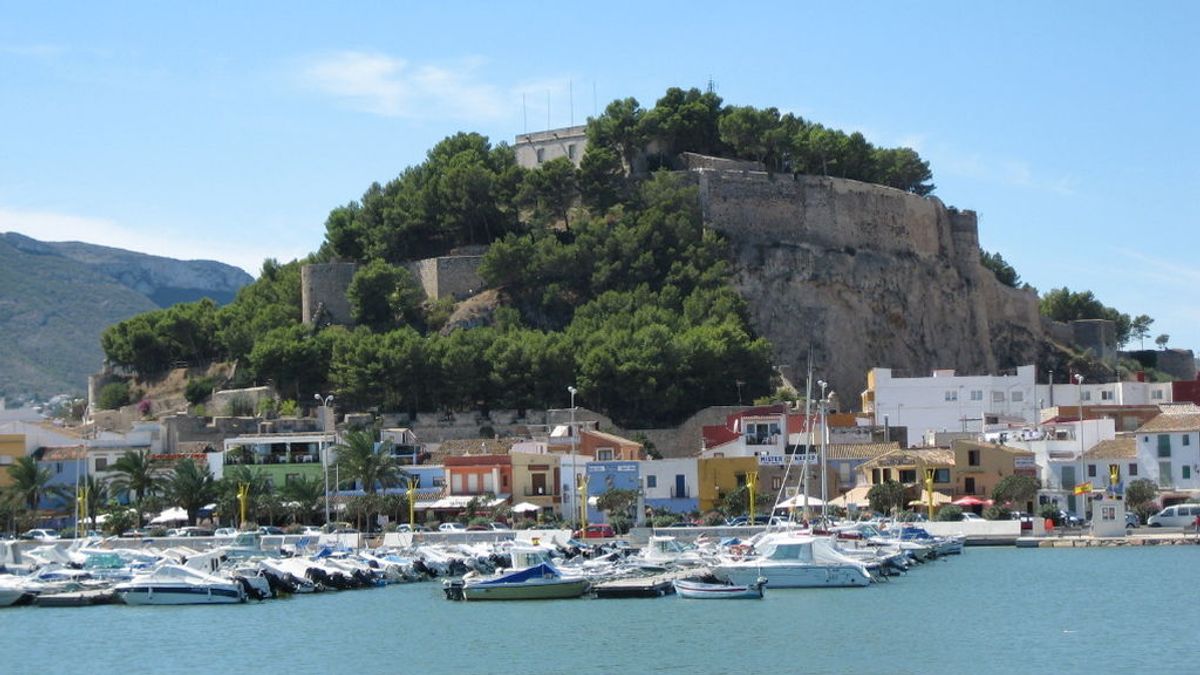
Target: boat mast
[{"x": 808, "y": 428}]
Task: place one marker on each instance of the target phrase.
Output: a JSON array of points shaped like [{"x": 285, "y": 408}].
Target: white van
[{"x": 1180, "y": 515}]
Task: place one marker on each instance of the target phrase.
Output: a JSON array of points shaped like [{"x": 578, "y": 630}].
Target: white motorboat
[
  {"x": 17, "y": 590},
  {"x": 706, "y": 588},
  {"x": 178, "y": 585},
  {"x": 533, "y": 577},
  {"x": 795, "y": 561}
]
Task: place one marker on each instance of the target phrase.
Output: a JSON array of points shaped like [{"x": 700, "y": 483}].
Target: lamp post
[
  {"x": 824, "y": 447},
  {"x": 1083, "y": 466},
  {"x": 574, "y": 443},
  {"x": 325, "y": 401}
]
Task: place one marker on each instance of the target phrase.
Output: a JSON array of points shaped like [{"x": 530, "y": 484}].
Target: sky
[{"x": 228, "y": 130}]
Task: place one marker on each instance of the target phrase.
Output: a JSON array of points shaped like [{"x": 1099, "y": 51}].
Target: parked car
[
  {"x": 742, "y": 521},
  {"x": 194, "y": 532},
  {"x": 1179, "y": 515},
  {"x": 499, "y": 527},
  {"x": 270, "y": 529},
  {"x": 225, "y": 532},
  {"x": 968, "y": 516},
  {"x": 40, "y": 534},
  {"x": 311, "y": 530},
  {"x": 1131, "y": 519},
  {"x": 452, "y": 527},
  {"x": 1069, "y": 519},
  {"x": 598, "y": 531}
]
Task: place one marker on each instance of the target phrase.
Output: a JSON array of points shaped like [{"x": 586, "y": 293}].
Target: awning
[
  {"x": 855, "y": 497},
  {"x": 938, "y": 499},
  {"x": 797, "y": 502},
  {"x": 460, "y": 502},
  {"x": 172, "y": 515},
  {"x": 971, "y": 500},
  {"x": 526, "y": 507}
]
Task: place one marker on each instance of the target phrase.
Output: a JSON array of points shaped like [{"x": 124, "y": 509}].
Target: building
[
  {"x": 605, "y": 476},
  {"x": 605, "y": 447},
  {"x": 1067, "y": 395},
  {"x": 12, "y": 447},
  {"x": 907, "y": 466},
  {"x": 946, "y": 401},
  {"x": 717, "y": 477},
  {"x": 1119, "y": 454},
  {"x": 479, "y": 475},
  {"x": 537, "y": 479},
  {"x": 979, "y": 467},
  {"x": 282, "y": 457},
  {"x": 534, "y": 149},
  {"x": 1057, "y": 448},
  {"x": 1168, "y": 446},
  {"x": 670, "y": 484}
]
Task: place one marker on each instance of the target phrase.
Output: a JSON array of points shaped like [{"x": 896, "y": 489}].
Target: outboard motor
[{"x": 453, "y": 588}]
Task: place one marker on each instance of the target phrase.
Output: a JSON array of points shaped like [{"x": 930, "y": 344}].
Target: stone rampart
[
  {"x": 323, "y": 292},
  {"x": 456, "y": 276}
]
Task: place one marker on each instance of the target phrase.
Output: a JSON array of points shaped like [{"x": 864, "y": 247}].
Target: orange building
[{"x": 472, "y": 475}]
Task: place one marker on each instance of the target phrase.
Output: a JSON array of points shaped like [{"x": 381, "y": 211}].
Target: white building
[
  {"x": 1103, "y": 393},
  {"x": 670, "y": 478},
  {"x": 534, "y": 149},
  {"x": 1056, "y": 450},
  {"x": 946, "y": 401},
  {"x": 1169, "y": 447}
]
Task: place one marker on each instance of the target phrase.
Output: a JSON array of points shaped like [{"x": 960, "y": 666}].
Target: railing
[
  {"x": 532, "y": 492},
  {"x": 273, "y": 459},
  {"x": 680, "y": 494}
]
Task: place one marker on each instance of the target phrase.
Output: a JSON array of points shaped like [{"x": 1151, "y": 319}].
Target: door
[
  {"x": 539, "y": 483},
  {"x": 680, "y": 486}
]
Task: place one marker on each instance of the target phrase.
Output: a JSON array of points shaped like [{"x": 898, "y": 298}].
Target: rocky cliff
[{"x": 868, "y": 276}]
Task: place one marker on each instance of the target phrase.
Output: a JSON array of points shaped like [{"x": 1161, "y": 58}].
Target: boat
[
  {"x": 17, "y": 590},
  {"x": 179, "y": 585},
  {"x": 711, "y": 588},
  {"x": 795, "y": 561},
  {"x": 533, "y": 577}
]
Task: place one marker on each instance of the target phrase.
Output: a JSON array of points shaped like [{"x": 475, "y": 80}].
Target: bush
[
  {"x": 199, "y": 410},
  {"x": 288, "y": 408},
  {"x": 620, "y": 523},
  {"x": 240, "y": 406},
  {"x": 198, "y": 390},
  {"x": 266, "y": 407},
  {"x": 113, "y": 395},
  {"x": 996, "y": 512},
  {"x": 950, "y": 513},
  {"x": 1050, "y": 511},
  {"x": 662, "y": 520}
]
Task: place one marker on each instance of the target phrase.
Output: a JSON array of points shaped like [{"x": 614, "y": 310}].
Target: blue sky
[{"x": 228, "y": 131}]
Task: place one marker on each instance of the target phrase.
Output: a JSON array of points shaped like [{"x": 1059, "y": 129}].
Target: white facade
[
  {"x": 1107, "y": 393},
  {"x": 763, "y": 436},
  {"x": 1056, "y": 448},
  {"x": 534, "y": 149},
  {"x": 670, "y": 478},
  {"x": 945, "y": 401},
  {"x": 1171, "y": 459}
]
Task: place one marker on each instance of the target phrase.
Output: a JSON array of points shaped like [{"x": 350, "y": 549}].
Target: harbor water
[{"x": 991, "y": 610}]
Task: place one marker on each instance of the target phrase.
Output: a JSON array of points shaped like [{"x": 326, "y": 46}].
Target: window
[
  {"x": 503, "y": 481},
  {"x": 1164, "y": 445},
  {"x": 58, "y": 467},
  {"x": 1187, "y": 440},
  {"x": 997, "y": 397},
  {"x": 973, "y": 458},
  {"x": 976, "y": 394},
  {"x": 571, "y": 151},
  {"x": 951, "y": 395},
  {"x": 438, "y": 481},
  {"x": 1087, "y": 396},
  {"x": 651, "y": 481},
  {"x": 1186, "y": 472},
  {"x": 941, "y": 475},
  {"x": 762, "y": 433},
  {"x": 101, "y": 463},
  {"x": 776, "y": 482},
  {"x": 1132, "y": 469},
  {"x": 876, "y": 477},
  {"x": 1164, "y": 473},
  {"x": 741, "y": 479},
  {"x": 908, "y": 475},
  {"x": 969, "y": 485},
  {"x": 604, "y": 454},
  {"x": 1156, "y": 394},
  {"x": 1018, "y": 396},
  {"x": 541, "y": 155},
  {"x": 1091, "y": 470},
  {"x": 1106, "y": 396}
]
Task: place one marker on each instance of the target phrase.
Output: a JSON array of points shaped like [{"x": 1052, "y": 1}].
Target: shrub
[
  {"x": 199, "y": 410},
  {"x": 240, "y": 406},
  {"x": 996, "y": 512},
  {"x": 662, "y": 521},
  {"x": 266, "y": 407},
  {"x": 113, "y": 395},
  {"x": 198, "y": 390},
  {"x": 1049, "y": 511},
  {"x": 950, "y": 513},
  {"x": 288, "y": 408}
]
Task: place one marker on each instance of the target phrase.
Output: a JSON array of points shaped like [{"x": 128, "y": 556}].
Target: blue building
[{"x": 605, "y": 476}]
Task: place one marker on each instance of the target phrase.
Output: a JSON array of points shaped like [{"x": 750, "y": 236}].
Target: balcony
[
  {"x": 685, "y": 493},
  {"x": 536, "y": 492},
  {"x": 272, "y": 458}
]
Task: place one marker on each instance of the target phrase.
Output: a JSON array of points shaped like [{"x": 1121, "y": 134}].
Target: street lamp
[
  {"x": 1082, "y": 465},
  {"x": 574, "y": 441},
  {"x": 324, "y": 449},
  {"x": 824, "y": 449}
]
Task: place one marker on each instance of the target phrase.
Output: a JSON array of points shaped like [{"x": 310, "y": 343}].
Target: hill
[{"x": 57, "y": 298}]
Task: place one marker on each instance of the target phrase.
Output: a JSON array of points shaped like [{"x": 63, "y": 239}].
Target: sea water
[{"x": 991, "y": 610}]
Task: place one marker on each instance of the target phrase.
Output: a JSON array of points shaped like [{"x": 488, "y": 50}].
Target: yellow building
[
  {"x": 908, "y": 466},
  {"x": 719, "y": 476},
  {"x": 537, "y": 479},
  {"x": 12, "y": 447},
  {"x": 978, "y": 467}
]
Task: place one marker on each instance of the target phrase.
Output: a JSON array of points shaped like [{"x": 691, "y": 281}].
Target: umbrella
[
  {"x": 971, "y": 501},
  {"x": 938, "y": 499},
  {"x": 526, "y": 507},
  {"x": 171, "y": 515},
  {"x": 856, "y": 497}
]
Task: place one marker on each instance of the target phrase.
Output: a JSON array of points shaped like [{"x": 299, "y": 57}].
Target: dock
[{"x": 640, "y": 587}]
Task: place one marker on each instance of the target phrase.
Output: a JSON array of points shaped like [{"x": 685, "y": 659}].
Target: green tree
[
  {"x": 361, "y": 461},
  {"x": 1139, "y": 328},
  {"x": 304, "y": 496},
  {"x": 191, "y": 487},
  {"x": 384, "y": 296},
  {"x": 685, "y": 121},
  {"x": 113, "y": 395},
  {"x": 31, "y": 483},
  {"x": 1162, "y": 340},
  {"x": 550, "y": 190},
  {"x": 1015, "y": 491},
  {"x": 1004, "y": 272},
  {"x": 1061, "y": 304},
  {"x": 616, "y": 502},
  {"x": 602, "y": 183},
  {"x": 950, "y": 513},
  {"x": 137, "y": 474},
  {"x": 258, "y": 486},
  {"x": 620, "y": 129},
  {"x": 886, "y": 496},
  {"x": 1140, "y": 495}
]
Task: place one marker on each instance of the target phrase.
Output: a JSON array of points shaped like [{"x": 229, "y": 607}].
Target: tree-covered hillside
[{"x": 610, "y": 282}]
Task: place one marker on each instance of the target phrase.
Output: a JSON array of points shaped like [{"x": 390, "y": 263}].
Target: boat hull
[
  {"x": 180, "y": 595},
  {"x": 797, "y": 576},
  {"x": 705, "y": 591},
  {"x": 548, "y": 590}
]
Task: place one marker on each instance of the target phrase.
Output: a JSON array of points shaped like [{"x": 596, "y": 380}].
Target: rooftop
[{"x": 1122, "y": 447}]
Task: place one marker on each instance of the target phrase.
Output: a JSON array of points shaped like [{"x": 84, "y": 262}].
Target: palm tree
[
  {"x": 373, "y": 468},
  {"x": 235, "y": 477},
  {"x": 191, "y": 488},
  {"x": 31, "y": 483},
  {"x": 97, "y": 495},
  {"x": 304, "y": 496},
  {"x": 136, "y": 473}
]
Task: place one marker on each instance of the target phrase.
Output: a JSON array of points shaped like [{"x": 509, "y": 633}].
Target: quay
[{"x": 640, "y": 587}]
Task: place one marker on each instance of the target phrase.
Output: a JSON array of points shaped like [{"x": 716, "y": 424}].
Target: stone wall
[
  {"x": 869, "y": 275},
  {"x": 323, "y": 292},
  {"x": 1097, "y": 335},
  {"x": 456, "y": 277}
]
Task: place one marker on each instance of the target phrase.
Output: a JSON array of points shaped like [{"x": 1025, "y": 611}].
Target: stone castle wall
[
  {"x": 455, "y": 276},
  {"x": 323, "y": 292},
  {"x": 868, "y": 275}
]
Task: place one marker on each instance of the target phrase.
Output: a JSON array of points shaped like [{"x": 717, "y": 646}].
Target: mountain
[{"x": 56, "y": 298}]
